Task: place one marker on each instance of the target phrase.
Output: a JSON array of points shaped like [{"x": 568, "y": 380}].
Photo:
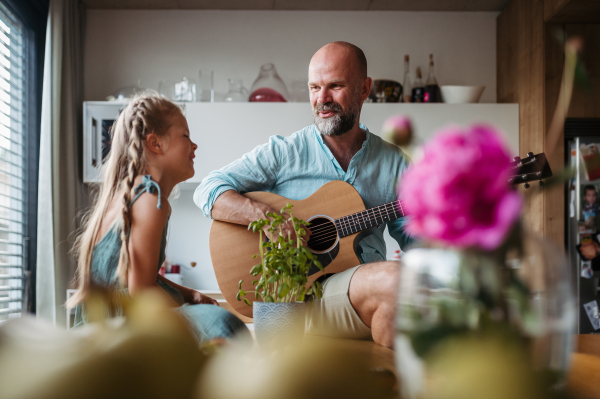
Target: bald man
[{"x": 359, "y": 302}]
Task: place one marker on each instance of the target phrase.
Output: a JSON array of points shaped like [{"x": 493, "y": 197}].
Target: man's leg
[{"x": 372, "y": 293}]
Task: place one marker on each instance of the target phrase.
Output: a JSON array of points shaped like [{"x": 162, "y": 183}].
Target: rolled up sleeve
[{"x": 255, "y": 171}]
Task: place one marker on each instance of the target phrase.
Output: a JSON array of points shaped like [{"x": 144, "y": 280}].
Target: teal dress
[{"x": 206, "y": 321}]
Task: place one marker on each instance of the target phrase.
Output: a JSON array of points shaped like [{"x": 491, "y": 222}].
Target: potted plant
[{"x": 282, "y": 276}]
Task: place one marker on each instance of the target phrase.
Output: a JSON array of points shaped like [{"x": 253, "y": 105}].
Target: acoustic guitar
[{"x": 338, "y": 222}]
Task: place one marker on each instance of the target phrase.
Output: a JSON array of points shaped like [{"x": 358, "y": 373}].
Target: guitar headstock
[{"x": 531, "y": 168}]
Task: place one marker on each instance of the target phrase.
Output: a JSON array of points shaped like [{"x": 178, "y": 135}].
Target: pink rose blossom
[
  {"x": 458, "y": 193},
  {"x": 399, "y": 129}
]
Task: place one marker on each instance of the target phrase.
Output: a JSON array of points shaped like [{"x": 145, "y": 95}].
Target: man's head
[
  {"x": 338, "y": 85},
  {"x": 589, "y": 193}
]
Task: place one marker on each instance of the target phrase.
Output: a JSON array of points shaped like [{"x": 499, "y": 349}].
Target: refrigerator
[{"x": 582, "y": 216}]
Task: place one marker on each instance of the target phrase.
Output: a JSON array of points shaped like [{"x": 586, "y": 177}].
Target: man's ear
[
  {"x": 365, "y": 90},
  {"x": 155, "y": 144}
]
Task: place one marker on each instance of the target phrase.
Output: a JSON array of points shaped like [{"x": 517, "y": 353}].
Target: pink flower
[
  {"x": 458, "y": 193},
  {"x": 399, "y": 129}
]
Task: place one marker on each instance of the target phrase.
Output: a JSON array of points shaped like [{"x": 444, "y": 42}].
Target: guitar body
[{"x": 232, "y": 246}]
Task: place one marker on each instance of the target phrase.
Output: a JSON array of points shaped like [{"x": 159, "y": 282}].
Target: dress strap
[{"x": 150, "y": 186}]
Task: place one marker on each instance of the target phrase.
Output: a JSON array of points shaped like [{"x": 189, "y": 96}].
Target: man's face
[
  {"x": 590, "y": 196},
  {"x": 336, "y": 91}
]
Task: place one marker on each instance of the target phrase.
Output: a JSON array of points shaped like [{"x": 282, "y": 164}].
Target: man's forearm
[{"x": 233, "y": 207}]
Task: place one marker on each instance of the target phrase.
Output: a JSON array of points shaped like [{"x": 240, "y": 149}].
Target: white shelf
[{"x": 226, "y": 131}]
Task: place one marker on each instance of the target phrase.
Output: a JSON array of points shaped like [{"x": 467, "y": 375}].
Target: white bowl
[{"x": 461, "y": 94}]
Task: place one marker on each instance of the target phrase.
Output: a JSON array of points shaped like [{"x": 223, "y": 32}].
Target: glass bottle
[
  {"x": 268, "y": 86},
  {"x": 237, "y": 92},
  {"x": 432, "y": 90},
  {"x": 407, "y": 87},
  {"x": 418, "y": 90}
]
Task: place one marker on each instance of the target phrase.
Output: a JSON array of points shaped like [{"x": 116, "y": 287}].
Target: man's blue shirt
[{"x": 297, "y": 166}]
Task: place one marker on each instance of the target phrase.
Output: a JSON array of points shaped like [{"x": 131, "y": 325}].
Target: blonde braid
[{"x": 136, "y": 129}]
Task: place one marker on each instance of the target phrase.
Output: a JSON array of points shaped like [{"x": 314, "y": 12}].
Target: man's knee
[
  {"x": 381, "y": 277},
  {"x": 373, "y": 284}
]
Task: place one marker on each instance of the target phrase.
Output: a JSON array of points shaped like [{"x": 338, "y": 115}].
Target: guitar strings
[
  {"x": 358, "y": 218},
  {"x": 325, "y": 234}
]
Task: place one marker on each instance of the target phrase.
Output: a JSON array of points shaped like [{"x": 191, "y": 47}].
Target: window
[{"x": 13, "y": 195}]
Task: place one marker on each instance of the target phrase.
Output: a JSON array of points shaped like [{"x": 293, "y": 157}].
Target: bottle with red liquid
[
  {"x": 432, "y": 90},
  {"x": 268, "y": 87}
]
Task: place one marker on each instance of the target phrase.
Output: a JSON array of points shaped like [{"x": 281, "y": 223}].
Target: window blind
[{"x": 12, "y": 164}]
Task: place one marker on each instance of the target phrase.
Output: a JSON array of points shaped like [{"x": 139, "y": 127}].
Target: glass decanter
[
  {"x": 237, "y": 92},
  {"x": 268, "y": 86}
]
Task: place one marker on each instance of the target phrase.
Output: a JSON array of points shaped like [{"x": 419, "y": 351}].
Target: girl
[{"x": 123, "y": 243}]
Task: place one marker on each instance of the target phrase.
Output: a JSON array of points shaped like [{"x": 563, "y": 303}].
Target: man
[{"x": 359, "y": 302}]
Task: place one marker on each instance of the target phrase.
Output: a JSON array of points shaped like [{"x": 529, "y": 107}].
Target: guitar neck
[{"x": 369, "y": 218}]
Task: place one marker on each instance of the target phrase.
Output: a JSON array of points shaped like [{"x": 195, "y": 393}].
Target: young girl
[{"x": 123, "y": 244}]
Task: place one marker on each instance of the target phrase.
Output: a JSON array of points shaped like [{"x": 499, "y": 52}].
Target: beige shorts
[{"x": 333, "y": 315}]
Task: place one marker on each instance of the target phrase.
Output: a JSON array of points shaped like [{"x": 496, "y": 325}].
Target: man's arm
[
  {"x": 219, "y": 193},
  {"x": 255, "y": 171},
  {"x": 233, "y": 207}
]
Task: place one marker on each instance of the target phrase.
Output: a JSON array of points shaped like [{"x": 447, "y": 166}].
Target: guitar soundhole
[{"x": 324, "y": 234}]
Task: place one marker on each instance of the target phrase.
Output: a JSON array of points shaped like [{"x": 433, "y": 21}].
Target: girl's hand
[{"x": 194, "y": 297}]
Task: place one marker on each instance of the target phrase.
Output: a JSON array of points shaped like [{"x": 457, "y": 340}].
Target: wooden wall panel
[
  {"x": 520, "y": 66},
  {"x": 530, "y": 61}
]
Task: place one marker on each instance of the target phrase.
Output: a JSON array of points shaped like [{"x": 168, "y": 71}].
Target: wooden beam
[
  {"x": 520, "y": 68},
  {"x": 572, "y": 11},
  {"x": 551, "y": 7}
]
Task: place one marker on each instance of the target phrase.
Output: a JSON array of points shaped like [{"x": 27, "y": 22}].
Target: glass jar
[
  {"x": 268, "y": 86},
  {"x": 237, "y": 92},
  {"x": 517, "y": 299}
]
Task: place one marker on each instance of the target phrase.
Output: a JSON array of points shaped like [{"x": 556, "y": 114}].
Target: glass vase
[
  {"x": 237, "y": 92},
  {"x": 517, "y": 300},
  {"x": 268, "y": 86}
]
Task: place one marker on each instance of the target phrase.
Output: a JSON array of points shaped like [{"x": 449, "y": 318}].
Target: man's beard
[{"x": 341, "y": 122}]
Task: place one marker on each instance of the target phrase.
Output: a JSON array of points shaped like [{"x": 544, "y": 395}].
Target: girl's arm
[
  {"x": 147, "y": 224},
  {"x": 189, "y": 295}
]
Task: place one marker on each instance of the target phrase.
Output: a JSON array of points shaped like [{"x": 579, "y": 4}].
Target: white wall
[{"x": 124, "y": 46}]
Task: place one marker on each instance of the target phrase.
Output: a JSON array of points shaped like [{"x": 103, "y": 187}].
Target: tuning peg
[
  {"x": 517, "y": 159},
  {"x": 530, "y": 155},
  {"x": 527, "y": 185}
]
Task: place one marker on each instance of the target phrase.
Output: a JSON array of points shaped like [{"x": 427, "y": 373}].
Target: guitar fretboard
[{"x": 369, "y": 218}]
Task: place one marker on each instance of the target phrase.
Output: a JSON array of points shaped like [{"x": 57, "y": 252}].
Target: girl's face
[{"x": 179, "y": 150}]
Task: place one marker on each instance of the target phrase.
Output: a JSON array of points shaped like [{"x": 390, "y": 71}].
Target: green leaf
[
  {"x": 238, "y": 296},
  {"x": 283, "y": 290},
  {"x": 256, "y": 269},
  {"x": 242, "y": 293},
  {"x": 275, "y": 278},
  {"x": 247, "y": 302},
  {"x": 269, "y": 298},
  {"x": 240, "y": 284},
  {"x": 254, "y": 282},
  {"x": 300, "y": 279}
]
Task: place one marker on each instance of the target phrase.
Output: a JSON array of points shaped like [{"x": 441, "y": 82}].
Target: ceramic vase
[{"x": 278, "y": 325}]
